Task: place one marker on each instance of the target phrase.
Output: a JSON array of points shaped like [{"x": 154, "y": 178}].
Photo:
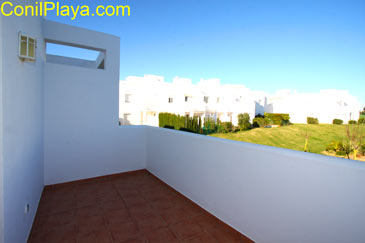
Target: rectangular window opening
[
  {"x": 206, "y": 98},
  {"x": 75, "y": 56},
  {"x": 127, "y": 98},
  {"x": 126, "y": 120},
  {"x": 27, "y": 47}
]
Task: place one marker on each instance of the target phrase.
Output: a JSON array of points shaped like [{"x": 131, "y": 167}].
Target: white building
[
  {"x": 325, "y": 105},
  {"x": 143, "y": 98}
]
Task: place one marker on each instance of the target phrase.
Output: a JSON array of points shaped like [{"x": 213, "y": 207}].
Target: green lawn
[{"x": 291, "y": 137}]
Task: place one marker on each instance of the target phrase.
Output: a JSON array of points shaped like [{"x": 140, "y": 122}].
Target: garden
[{"x": 337, "y": 139}]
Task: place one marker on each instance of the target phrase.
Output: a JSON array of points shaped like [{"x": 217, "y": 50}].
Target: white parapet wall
[{"x": 269, "y": 194}]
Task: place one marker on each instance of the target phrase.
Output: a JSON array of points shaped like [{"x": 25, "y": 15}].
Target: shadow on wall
[
  {"x": 259, "y": 109},
  {"x": 124, "y": 121},
  {"x": 262, "y": 108}
]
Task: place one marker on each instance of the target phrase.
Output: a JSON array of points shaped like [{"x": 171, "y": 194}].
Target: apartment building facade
[
  {"x": 143, "y": 98},
  {"x": 325, "y": 105}
]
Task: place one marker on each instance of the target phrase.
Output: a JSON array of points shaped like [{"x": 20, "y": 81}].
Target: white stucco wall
[
  {"x": 325, "y": 105},
  {"x": 1, "y": 135},
  {"x": 22, "y": 127},
  {"x": 269, "y": 194},
  {"x": 82, "y": 135}
]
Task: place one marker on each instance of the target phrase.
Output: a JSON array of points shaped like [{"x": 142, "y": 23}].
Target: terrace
[
  {"x": 128, "y": 207},
  {"x": 59, "y": 125}
]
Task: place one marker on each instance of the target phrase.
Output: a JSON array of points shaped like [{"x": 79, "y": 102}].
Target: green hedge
[
  {"x": 261, "y": 122},
  {"x": 226, "y": 127},
  {"x": 337, "y": 121},
  {"x": 361, "y": 121},
  {"x": 352, "y": 122},
  {"x": 184, "y": 123},
  {"x": 281, "y": 119},
  {"x": 312, "y": 120}
]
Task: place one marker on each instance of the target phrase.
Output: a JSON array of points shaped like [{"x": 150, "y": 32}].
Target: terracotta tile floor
[{"x": 129, "y": 207}]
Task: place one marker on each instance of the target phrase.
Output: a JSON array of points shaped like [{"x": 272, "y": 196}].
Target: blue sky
[{"x": 266, "y": 45}]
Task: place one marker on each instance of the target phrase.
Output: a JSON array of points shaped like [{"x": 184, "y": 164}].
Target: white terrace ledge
[{"x": 268, "y": 194}]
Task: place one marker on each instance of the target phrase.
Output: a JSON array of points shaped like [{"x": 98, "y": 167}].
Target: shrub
[
  {"x": 361, "y": 121},
  {"x": 227, "y": 127},
  {"x": 211, "y": 124},
  {"x": 338, "y": 146},
  {"x": 352, "y": 122},
  {"x": 244, "y": 121},
  {"x": 330, "y": 147},
  {"x": 168, "y": 119},
  {"x": 341, "y": 149},
  {"x": 261, "y": 122},
  {"x": 341, "y": 153},
  {"x": 337, "y": 121},
  {"x": 237, "y": 129},
  {"x": 285, "y": 123},
  {"x": 362, "y": 150},
  {"x": 278, "y": 118},
  {"x": 257, "y": 121},
  {"x": 312, "y": 120},
  {"x": 334, "y": 146},
  {"x": 172, "y": 121},
  {"x": 186, "y": 130},
  {"x": 347, "y": 149}
]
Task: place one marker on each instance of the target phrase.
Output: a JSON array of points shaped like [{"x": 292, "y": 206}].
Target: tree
[
  {"x": 244, "y": 121},
  {"x": 354, "y": 135},
  {"x": 306, "y": 136}
]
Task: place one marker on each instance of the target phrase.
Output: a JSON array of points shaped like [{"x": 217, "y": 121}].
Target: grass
[{"x": 292, "y": 137}]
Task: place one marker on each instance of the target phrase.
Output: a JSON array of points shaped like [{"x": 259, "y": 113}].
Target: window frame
[
  {"x": 126, "y": 121},
  {"x": 206, "y": 99},
  {"x": 28, "y": 38},
  {"x": 127, "y": 98}
]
